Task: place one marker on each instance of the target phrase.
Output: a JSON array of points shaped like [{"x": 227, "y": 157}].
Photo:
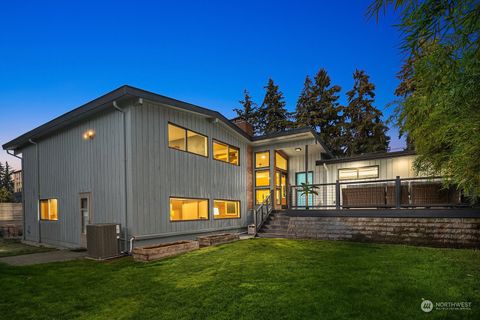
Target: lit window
[
  {"x": 262, "y": 178},
  {"x": 261, "y": 195},
  {"x": 176, "y": 137},
  {"x": 262, "y": 159},
  {"x": 49, "y": 209},
  {"x": 280, "y": 161},
  {"x": 225, "y": 153},
  {"x": 187, "y": 140},
  {"x": 358, "y": 173},
  {"x": 197, "y": 143},
  {"x": 223, "y": 209},
  {"x": 182, "y": 209}
]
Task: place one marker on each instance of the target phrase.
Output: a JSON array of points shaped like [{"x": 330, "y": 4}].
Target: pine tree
[
  {"x": 7, "y": 180},
  {"x": 365, "y": 130},
  {"x": 272, "y": 114},
  {"x": 2, "y": 171},
  {"x": 305, "y": 105},
  {"x": 5, "y": 194},
  {"x": 248, "y": 112}
]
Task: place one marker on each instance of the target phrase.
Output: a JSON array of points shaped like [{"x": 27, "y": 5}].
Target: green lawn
[
  {"x": 14, "y": 248},
  {"x": 251, "y": 279}
]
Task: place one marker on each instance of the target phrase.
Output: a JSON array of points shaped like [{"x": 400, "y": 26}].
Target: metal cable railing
[{"x": 262, "y": 212}]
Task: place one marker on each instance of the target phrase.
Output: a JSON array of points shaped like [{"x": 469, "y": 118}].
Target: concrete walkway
[{"x": 43, "y": 257}]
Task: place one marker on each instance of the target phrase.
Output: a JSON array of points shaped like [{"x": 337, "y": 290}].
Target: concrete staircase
[{"x": 275, "y": 226}]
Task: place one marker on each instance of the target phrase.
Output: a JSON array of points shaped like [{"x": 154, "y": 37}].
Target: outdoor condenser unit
[{"x": 102, "y": 240}]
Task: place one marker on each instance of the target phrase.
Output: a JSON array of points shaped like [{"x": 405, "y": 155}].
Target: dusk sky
[{"x": 55, "y": 56}]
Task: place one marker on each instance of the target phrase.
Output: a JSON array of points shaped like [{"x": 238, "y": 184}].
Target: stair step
[{"x": 271, "y": 235}]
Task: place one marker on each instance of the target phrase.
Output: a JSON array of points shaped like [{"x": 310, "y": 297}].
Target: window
[
  {"x": 184, "y": 209},
  {"x": 280, "y": 161},
  {"x": 261, "y": 195},
  {"x": 49, "y": 209},
  {"x": 262, "y": 178},
  {"x": 358, "y": 173},
  {"x": 226, "y": 153},
  {"x": 262, "y": 159},
  {"x": 225, "y": 209},
  {"x": 186, "y": 140}
]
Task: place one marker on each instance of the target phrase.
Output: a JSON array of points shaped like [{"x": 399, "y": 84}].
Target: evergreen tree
[
  {"x": 2, "y": 170},
  {"x": 365, "y": 130},
  {"x": 5, "y": 194},
  {"x": 7, "y": 180},
  {"x": 272, "y": 114},
  {"x": 317, "y": 107},
  {"x": 248, "y": 111}
]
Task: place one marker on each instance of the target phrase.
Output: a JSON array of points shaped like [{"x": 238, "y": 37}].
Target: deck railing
[
  {"x": 426, "y": 192},
  {"x": 262, "y": 211}
]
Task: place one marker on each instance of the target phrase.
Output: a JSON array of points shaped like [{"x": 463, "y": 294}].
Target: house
[{"x": 164, "y": 169}]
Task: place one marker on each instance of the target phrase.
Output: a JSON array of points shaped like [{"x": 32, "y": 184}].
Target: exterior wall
[
  {"x": 70, "y": 165},
  {"x": 159, "y": 172},
  {"x": 389, "y": 168},
  {"x": 297, "y": 164}
]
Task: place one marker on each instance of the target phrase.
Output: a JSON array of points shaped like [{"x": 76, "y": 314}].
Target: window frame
[
  {"x": 357, "y": 169},
  {"x": 228, "y": 152},
  {"x": 188, "y": 198},
  {"x": 186, "y": 140},
  {"x": 261, "y": 189},
  {"x": 228, "y": 200},
  {"x": 255, "y": 160},
  {"x": 275, "y": 161},
  {"x": 40, "y": 209}
]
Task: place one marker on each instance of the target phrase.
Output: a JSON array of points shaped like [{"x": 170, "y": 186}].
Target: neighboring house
[
  {"x": 17, "y": 181},
  {"x": 164, "y": 169}
]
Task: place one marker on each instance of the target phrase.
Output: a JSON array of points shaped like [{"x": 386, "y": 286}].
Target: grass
[
  {"x": 10, "y": 248},
  {"x": 251, "y": 279}
]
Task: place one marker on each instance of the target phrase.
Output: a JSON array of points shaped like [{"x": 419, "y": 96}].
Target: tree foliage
[
  {"x": 439, "y": 108},
  {"x": 248, "y": 112},
  {"x": 6, "y": 183},
  {"x": 272, "y": 114},
  {"x": 365, "y": 131}
]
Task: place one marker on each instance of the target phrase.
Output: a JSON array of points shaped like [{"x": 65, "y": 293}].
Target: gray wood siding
[
  {"x": 70, "y": 165},
  {"x": 159, "y": 172}
]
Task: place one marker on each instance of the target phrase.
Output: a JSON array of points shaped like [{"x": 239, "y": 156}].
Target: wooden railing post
[
  {"x": 398, "y": 192},
  {"x": 337, "y": 195}
]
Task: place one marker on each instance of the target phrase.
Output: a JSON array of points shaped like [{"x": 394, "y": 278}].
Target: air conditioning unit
[{"x": 102, "y": 240}]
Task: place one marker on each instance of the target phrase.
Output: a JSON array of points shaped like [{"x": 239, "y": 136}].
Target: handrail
[{"x": 266, "y": 205}]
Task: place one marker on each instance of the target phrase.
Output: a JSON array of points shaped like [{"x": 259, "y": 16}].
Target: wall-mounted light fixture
[
  {"x": 298, "y": 149},
  {"x": 89, "y": 134}
]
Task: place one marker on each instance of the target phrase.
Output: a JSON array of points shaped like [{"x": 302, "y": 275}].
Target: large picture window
[
  {"x": 49, "y": 209},
  {"x": 226, "y": 209},
  {"x": 370, "y": 172},
  {"x": 226, "y": 153},
  {"x": 184, "y": 209},
  {"x": 186, "y": 140},
  {"x": 261, "y": 195}
]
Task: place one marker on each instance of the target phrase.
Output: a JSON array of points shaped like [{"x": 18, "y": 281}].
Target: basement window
[
  {"x": 226, "y": 209},
  {"x": 49, "y": 209},
  {"x": 186, "y": 209}
]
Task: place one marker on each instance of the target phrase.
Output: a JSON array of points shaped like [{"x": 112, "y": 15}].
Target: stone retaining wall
[{"x": 442, "y": 232}]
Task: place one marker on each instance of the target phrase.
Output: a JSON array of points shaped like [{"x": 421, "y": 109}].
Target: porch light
[
  {"x": 298, "y": 149},
  {"x": 89, "y": 134}
]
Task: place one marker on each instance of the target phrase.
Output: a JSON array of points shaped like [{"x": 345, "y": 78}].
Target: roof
[
  {"x": 368, "y": 156},
  {"x": 125, "y": 92}
]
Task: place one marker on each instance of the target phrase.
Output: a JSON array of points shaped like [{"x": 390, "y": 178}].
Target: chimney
[{"x": 244, "y": 125}]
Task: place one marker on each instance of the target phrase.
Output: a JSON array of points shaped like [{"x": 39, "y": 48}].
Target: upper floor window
[
  {"x": 187, "y": 140},
  {"x": 49, "y": 209},
  {"x": 226, "y": 153},
  {"x": 369, "y": 172},
  {"x": 262, "y": 159}
]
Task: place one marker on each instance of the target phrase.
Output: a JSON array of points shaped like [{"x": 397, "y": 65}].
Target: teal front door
[{"x": 301, "y": 198}]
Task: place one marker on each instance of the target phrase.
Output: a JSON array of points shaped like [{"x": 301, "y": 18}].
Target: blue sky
[{"x": 55, "y": 56}]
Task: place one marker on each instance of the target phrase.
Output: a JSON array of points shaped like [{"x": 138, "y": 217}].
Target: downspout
[
  {"x": 125, "y": 230},
  {"x": 23, "y": 192},
  {"x": 38, "y": 189}
]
